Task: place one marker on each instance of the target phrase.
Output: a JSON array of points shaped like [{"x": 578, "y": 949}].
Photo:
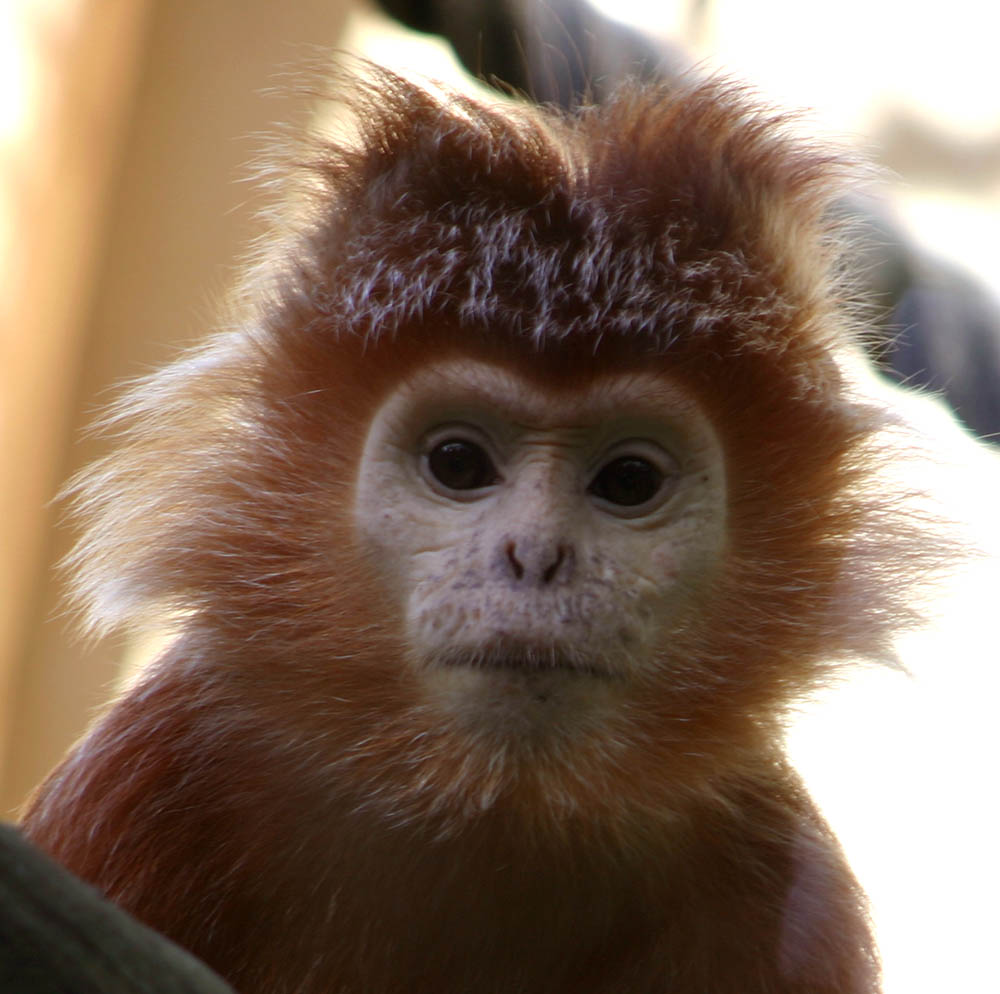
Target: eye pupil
[
  {"x": 461, "y": 465},
  {"x": 627, "y": 481}
]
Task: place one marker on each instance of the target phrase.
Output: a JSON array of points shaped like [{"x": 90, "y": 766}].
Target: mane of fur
[
  {"x": 678, "y": 228},
  {"x": 676, "y": 225}
]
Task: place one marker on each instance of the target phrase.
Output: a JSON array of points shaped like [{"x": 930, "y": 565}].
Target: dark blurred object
[
  {"x": 935, "y": 327},
  {"x": 58, "y": 936},
  {"x": 558, "y": 52}
]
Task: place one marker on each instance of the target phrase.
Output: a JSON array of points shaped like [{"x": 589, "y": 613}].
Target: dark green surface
[{"x": 58, "y": 936}]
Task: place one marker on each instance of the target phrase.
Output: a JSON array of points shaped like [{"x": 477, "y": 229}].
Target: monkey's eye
[
  {"x": 628, "y": 481},
  {"x": 459, "y": 464}
]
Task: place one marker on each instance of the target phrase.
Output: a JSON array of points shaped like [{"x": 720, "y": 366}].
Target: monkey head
[{"x": 535, "y": 438}]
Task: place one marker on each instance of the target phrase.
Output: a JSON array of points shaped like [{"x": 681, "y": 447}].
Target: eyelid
[
  {"x": 463, "y": 430},
  {"x": 645, "y": 448}
]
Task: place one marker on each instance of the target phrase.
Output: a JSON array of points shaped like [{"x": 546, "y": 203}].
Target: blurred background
[{"x": 127, "y": 133}]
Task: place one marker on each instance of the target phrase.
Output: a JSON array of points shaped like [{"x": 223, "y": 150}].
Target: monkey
[{"x": 498, "y": 538}]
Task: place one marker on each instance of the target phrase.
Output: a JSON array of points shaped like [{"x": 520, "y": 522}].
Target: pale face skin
[{"x": 540, "y": 545}]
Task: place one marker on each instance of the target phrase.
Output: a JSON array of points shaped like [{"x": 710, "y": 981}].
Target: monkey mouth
[{"x": 528, "y": 661}]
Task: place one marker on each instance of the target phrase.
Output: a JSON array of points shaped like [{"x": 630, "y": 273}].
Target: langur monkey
[{"x": 499, "y": 539}]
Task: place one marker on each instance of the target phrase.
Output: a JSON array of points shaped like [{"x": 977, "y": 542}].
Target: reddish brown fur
[{"x": 268, "y": 796}]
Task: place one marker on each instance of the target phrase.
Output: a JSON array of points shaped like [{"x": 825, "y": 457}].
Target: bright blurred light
[
  {"x": 849, "y": 65},
  {"x": 18, "y": 108},
  {"x": 18, "y": 77},
  {"x": 26, "y": 71}
]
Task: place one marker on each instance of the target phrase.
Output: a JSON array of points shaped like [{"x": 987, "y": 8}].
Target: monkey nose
[{"x": 535, "y": 562}]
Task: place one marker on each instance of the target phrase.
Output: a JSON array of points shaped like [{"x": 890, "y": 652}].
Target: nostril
[
  {"x": 536, "y": 562},
  {"x": 514, "y": 562},
  {"x": 551, "y": 571}
]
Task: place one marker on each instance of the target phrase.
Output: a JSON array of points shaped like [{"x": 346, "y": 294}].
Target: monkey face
[{"x": 540, "y": 543}]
